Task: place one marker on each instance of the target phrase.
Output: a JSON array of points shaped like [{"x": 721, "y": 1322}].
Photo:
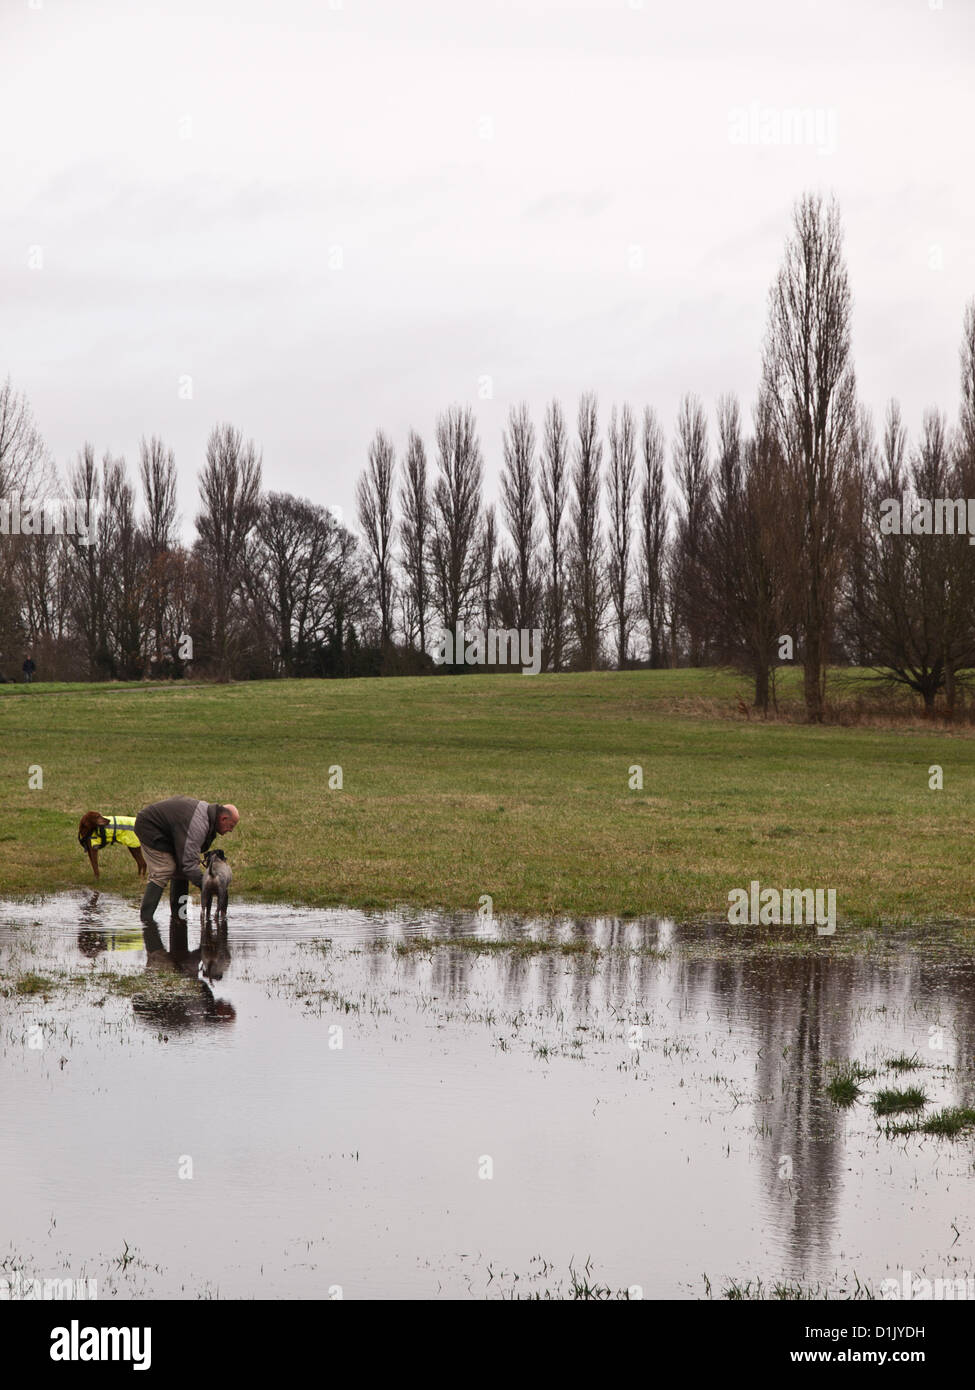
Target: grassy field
[{"x": 517, "y": 787}]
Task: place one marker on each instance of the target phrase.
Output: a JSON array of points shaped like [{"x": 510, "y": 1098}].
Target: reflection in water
[
  {"x": 178, "y": 994},
  {"x": 214, "y": 950},
  {"x": 655, "y": 1101},
  {"x": 94, "y": 936},
  {"x": 793, "y": 1013}
]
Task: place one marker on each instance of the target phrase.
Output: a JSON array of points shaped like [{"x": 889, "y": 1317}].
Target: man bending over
[{"x": 173, "y": 834}]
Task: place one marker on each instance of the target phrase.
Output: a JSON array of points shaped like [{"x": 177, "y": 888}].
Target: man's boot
[
  {"x": 150, "y": 901},
  {"x": 179, "y": 901}
]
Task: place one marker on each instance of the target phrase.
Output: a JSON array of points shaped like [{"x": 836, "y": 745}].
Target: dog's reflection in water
[
  {"x": 175, "y": 996},
  {"x": 214, "y": 950}
]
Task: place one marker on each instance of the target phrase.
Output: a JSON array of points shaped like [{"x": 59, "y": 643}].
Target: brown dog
[{"x": 96, "y": 831}]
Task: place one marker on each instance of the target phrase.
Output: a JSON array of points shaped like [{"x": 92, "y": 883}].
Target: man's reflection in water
[{"x": 175, "y": 995}]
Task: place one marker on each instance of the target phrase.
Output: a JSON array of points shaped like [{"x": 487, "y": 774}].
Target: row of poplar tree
[
  {"x": 756, "y": 536},
  {"x": 749, "y": 535}
]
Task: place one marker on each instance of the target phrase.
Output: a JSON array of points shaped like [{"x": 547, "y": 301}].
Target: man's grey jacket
[{"x": 182, "y": 827}]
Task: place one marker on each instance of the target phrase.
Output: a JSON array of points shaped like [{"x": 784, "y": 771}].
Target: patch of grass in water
[
  {"x": 580, "y": 1289},
  {"x": 785, "y": 1292},
  {"x": 32, "y": 983},
  {"x": 843, "y": 1090},
  {"x": 788, "y": 1291},
  {"x": 153, "y": 982},
  {"x": 948, "y": 1123},
  {"x": 890, "y": 1102},
  {"x": 905, "y": 1063},
  {"x": 843, "y": 1087},
  {"x": 582, "y": 1286},
  {"x": 487, "y": 946}
]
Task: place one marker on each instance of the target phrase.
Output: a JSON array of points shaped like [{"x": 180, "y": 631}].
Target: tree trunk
[
  {"x": 949, "y": 693},
  {"x": 762, "y": 688}
]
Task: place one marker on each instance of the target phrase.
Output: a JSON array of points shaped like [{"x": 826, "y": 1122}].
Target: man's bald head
[{"x": 227, "y": 818}]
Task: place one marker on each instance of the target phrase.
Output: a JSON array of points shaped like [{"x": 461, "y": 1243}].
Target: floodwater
[{"x": 335, "y": 1114}]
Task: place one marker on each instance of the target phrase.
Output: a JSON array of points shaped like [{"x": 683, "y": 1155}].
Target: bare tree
[
  {"x": 415, "y": 534},
  {"x": 519, "y": 500},
  {"x": 344, "y": 585},
  {"x": 960, "y": 641},
  {"x": 692, "y": 469},
  {"x": 230, "y": 488},
  {"x": 587, "y": 586},
  {"x": 505, "y": 606},
  {"x": 653, "y": 539},
  {"x": 374, "y": 497},
  {"x": 555, "y": 493},
  {"x": 744, "y": 554},
  {"x": 760, "y": 610},
  {"x": 24, "y": 464},
  {"x": 489, "y": 567},
  {"x": 125, "y": 552},
  {"x": 723, "y": 560},
  {"x": 456, "y": 550},
  {"x": 857, "y": 523},
  {"x": 893, "y": 460},
  {"x": 297, "y": 575},
  {"x": 622, "y": 488},
  {"x": 932, "y": 577},
  {"x": 673, "y": 602},
  {"x": 24, "y": 470},
  {"x": 966, "y": 423},
  {"x": 901, "y": 603},
  {"x": 809, "y": 381},
  {"x": 35, "y": 597},
  {"x": 157, "y": 469},
  {"x": 89, "y": 565}
]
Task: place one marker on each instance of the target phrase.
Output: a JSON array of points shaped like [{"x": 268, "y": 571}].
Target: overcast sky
[{"x": 320, "y": 217}]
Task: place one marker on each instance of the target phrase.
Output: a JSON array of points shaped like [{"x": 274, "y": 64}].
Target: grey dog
[{"x": 216, "y": 884}]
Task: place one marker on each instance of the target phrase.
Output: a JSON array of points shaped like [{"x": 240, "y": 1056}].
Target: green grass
[
  {"x": 788, "y": 1291},
  {"x": 947, "y": 1123},
  {"x": 905, "y": 1063},
  {"x": 154, "y": 983},
  {"x": 479, "y": 946},
  {"x": 30, "y": 983},
  {"x": 843, "y": 1088},
  {"x": 896, "y": 1102},
  {"x": 950, "y": 1122},
  {"x": 512, "y": 786}
]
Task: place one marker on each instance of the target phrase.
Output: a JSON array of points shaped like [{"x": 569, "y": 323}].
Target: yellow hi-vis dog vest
[{"x": 119, "y": 831}]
